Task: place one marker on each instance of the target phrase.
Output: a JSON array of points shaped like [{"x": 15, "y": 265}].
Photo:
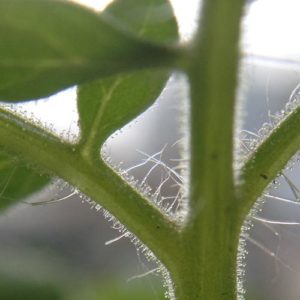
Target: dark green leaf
[
  {"x": 49, "y": 45},
  {"x": 17, "y": 180},
  {"x": 26, "y": 289},
  {"x": 106, "y": 105}
]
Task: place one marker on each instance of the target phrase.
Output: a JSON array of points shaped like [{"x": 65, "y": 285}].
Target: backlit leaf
[
  {"x": 48, "y": 45},
  {"x": 106, "y": 105},
  {"x": 17, "y": 180}
]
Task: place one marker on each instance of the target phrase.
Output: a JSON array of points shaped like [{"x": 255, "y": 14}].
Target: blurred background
[{"x": 58, "y": 250}]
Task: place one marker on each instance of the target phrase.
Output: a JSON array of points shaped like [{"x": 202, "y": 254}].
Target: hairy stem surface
[
  {"x": 98, "y": 182},
  {"x": 210, "y": 237}
]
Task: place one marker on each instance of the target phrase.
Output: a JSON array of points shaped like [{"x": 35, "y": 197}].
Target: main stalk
[{"x": 209, "y": 241}]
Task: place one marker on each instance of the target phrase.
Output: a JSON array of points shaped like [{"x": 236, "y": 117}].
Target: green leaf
[
  {"x": 151, "y": 19},
  {"x": 49, "y": 45},
  {"x": 17, "y": 180},
  {"x": 26, "y": 288},
  {"x": 106, "y": 105}
]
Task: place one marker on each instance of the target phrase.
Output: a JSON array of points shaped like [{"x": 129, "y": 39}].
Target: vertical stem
[
  {"x": 213, "y": 81},
  {"x": 208, "y": 270},
  {"x": 210, "y": 237}
]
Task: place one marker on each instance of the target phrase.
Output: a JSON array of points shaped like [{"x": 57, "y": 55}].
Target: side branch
[
  {"x": 101, "y": 184},
  {"x": 269, "y": 159}
]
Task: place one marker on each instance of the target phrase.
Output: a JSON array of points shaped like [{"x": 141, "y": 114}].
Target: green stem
[
  {"x": 213, "y": 81},
  {"x": 99, "y": 182},
  {"x": 269, "y": 159},
  {"x": 210, "y": 237},
  {"x": 208, "y": 266}
]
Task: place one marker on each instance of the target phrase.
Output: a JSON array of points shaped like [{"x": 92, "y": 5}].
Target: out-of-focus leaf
[
  {"x": 107, "y": 105},
  {"x": 17, "y": 180},
  {"x": 17, "y": 289},
  {"x": 116, "y": 291},
  {"x": 152, "y": 19},
  {"x": 48, "y": 45}
]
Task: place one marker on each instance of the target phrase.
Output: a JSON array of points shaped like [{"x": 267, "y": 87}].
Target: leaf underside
[
  {"x": 106, "y": 105},
  {"x": 17, "y": 180},
  {"x": 49, "y": 45}
]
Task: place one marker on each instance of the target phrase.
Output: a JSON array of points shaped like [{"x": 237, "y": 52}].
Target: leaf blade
[
  {"x": 49, "y": 45},
  {"x": 17, "y": 180},
  {"x": 152, "y": 19},
  {"x": 113, "y": 102}
]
